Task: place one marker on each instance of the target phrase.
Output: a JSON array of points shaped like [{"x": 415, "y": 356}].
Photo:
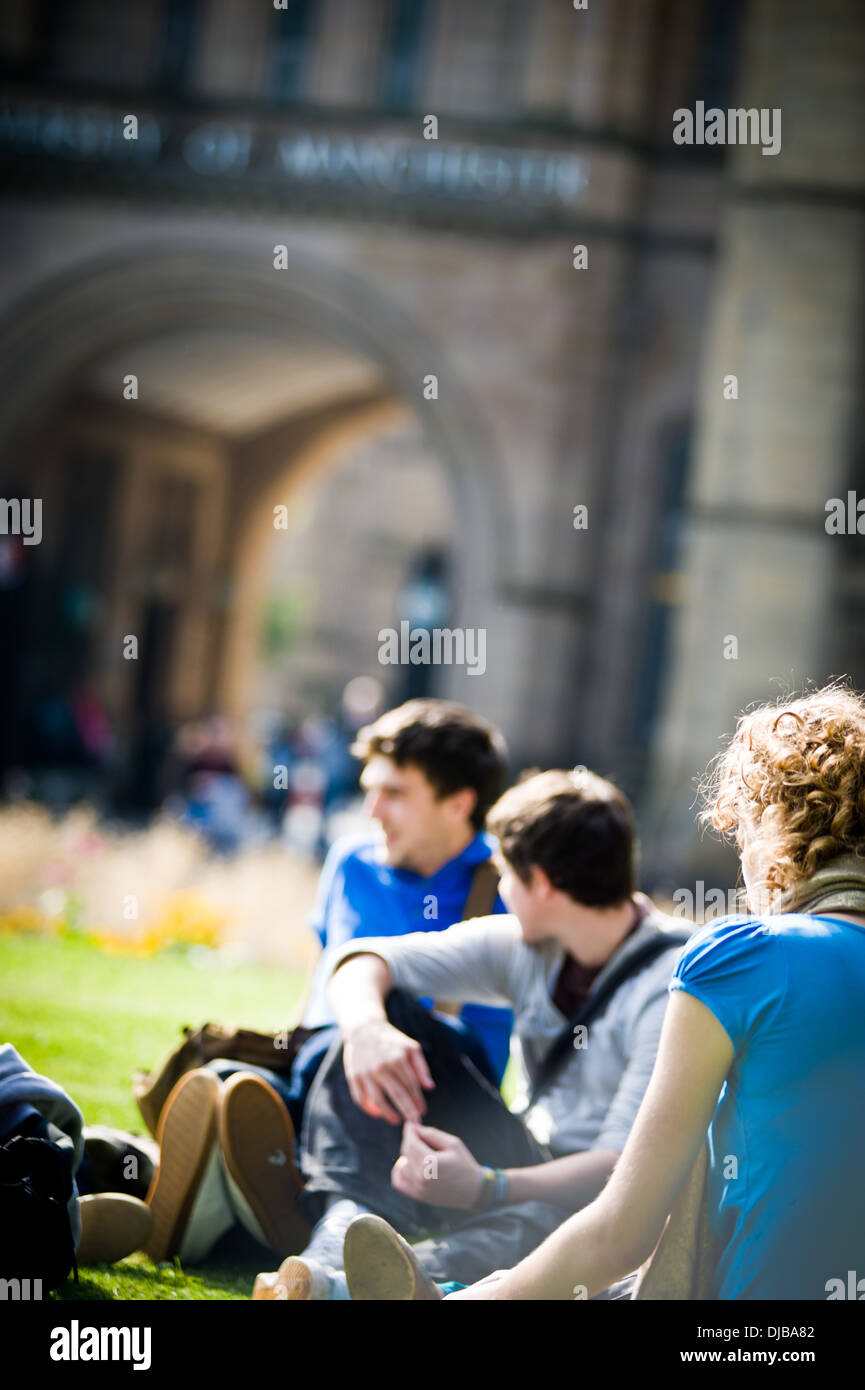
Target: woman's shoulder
[
  {"x": 732, "y": 938},
  {"x": 736, "y": 966}
]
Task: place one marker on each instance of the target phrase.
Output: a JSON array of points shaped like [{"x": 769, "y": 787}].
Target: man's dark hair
[
  {"x": 577, "y": 827},
  {"x": 451, "y": 746}
]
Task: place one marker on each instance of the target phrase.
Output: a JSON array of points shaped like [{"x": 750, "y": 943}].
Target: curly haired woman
[{"x": 763, "y": 1041}]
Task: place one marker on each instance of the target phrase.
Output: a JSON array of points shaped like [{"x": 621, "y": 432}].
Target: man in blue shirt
[
  {"x": 432, "y": 769},
  {"x": 363, "y": 892}
]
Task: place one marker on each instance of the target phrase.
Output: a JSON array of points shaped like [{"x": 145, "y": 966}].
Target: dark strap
[
  {"x": 479, "y": 903},
  {"x": 562, "y": 1046},
  {"x": 482, "y": 893}
]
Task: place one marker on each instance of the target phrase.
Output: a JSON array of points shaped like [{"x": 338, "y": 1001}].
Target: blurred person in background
[{"x": 212, "y": 794}]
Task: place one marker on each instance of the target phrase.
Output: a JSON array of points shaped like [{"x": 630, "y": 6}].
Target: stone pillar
[
  {"x": 348, "y": 52},
  {"x": 756, "y": 613},
  {"x": 231, "y": 60}
]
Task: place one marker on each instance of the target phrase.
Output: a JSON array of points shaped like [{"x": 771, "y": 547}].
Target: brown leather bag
[{"x": 275, "y": 1051}]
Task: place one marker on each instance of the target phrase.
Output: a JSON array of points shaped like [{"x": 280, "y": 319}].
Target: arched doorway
[{"x": 84, "y": 335}]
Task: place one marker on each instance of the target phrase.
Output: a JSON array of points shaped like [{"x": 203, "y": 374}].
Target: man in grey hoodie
[{"x": 400, "y": 1124}]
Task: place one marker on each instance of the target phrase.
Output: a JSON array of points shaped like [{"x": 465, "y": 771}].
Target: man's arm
[
  {"x": 572, "y": 1181},
  {"x": 470, "y": 962},
  {"x": 386, "y": 1071},
  {"x": 358, "y": 989}
]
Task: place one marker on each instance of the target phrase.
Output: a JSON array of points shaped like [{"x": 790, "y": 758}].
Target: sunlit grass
[{"x": 88, "y": 1019}]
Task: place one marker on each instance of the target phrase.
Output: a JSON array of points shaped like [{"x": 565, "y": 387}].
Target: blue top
[
  {"x": 787, "y": 1140},
  {"x": 359, "y": 896}
]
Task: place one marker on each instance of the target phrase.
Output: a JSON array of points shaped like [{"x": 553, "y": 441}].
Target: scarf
[{"x": 839, "y": 886}]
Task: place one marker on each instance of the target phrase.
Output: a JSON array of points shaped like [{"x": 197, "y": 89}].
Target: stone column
[
  {"x": 232, "y": 56},
  {"x": 757, "y": 608},
  {"x": 348, "y": 52}
]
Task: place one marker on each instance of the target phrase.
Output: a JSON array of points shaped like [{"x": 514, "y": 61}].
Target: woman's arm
[
  {"x": 621, "y": 1228},
  {"x": 571, "y": 1181}
]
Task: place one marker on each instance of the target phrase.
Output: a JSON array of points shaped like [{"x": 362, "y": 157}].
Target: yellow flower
[{"x": 24, "y": 919}]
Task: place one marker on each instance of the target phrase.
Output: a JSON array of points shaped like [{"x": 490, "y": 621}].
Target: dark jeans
[{"x": 347, "y": 1153}]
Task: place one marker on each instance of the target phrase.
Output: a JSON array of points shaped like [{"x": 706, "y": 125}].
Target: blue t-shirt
[
  {"x": 359, "y": 896},
  {"x": 787, "y": 1140}
]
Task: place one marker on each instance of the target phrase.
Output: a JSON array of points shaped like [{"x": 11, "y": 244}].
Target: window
[
  {"x": 179, "y": 35},
  {"x": 403, "y": 53},
  {"x": 719, "y": 53},
  {"x": 290, "y": 49}
]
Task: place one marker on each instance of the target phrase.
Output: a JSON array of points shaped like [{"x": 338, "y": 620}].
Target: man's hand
[
  {"x": 386, "y": 1071},
  {"x": 436, "y": 1168}
]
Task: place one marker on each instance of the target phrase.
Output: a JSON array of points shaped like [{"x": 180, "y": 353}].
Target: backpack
[{"x": 36, "y": 1240}]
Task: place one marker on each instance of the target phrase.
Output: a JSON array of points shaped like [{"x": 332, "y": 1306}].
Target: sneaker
[
  {"x": 381, "y": 1267},
  {"x": 296, "y": 1281},
  {"x": 257, "y": 1140},
  {"x": 113, "y": 1225},
  {"x": 187, "y": 1135}
]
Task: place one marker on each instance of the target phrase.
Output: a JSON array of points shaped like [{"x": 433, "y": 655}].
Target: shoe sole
[
  {"x": 187, "y": 1134},
  {"x": 380, "y": 1267},
  {"x": 254, "y": 1126},
  {"x": 113, "y": 1225}
]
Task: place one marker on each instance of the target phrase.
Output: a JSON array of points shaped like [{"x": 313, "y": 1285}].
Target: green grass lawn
[{"x": 88, "y": 1019}]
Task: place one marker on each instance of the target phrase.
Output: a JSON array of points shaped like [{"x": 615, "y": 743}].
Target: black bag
[{"x": 36, "y": 1240}]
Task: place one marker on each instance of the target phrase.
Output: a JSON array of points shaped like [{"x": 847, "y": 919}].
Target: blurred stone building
[{"x": 242, "y": 267}]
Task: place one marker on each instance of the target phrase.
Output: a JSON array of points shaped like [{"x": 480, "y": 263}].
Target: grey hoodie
[{"x": 593, "y": 1099}]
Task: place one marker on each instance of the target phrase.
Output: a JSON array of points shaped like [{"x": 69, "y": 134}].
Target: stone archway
[
  {"x": 309, "y": 448},
  {"x": 107, "y": 302}
]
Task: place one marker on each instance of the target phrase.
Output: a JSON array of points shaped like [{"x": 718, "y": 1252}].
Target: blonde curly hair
[{"x": 795, "y": 772}]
